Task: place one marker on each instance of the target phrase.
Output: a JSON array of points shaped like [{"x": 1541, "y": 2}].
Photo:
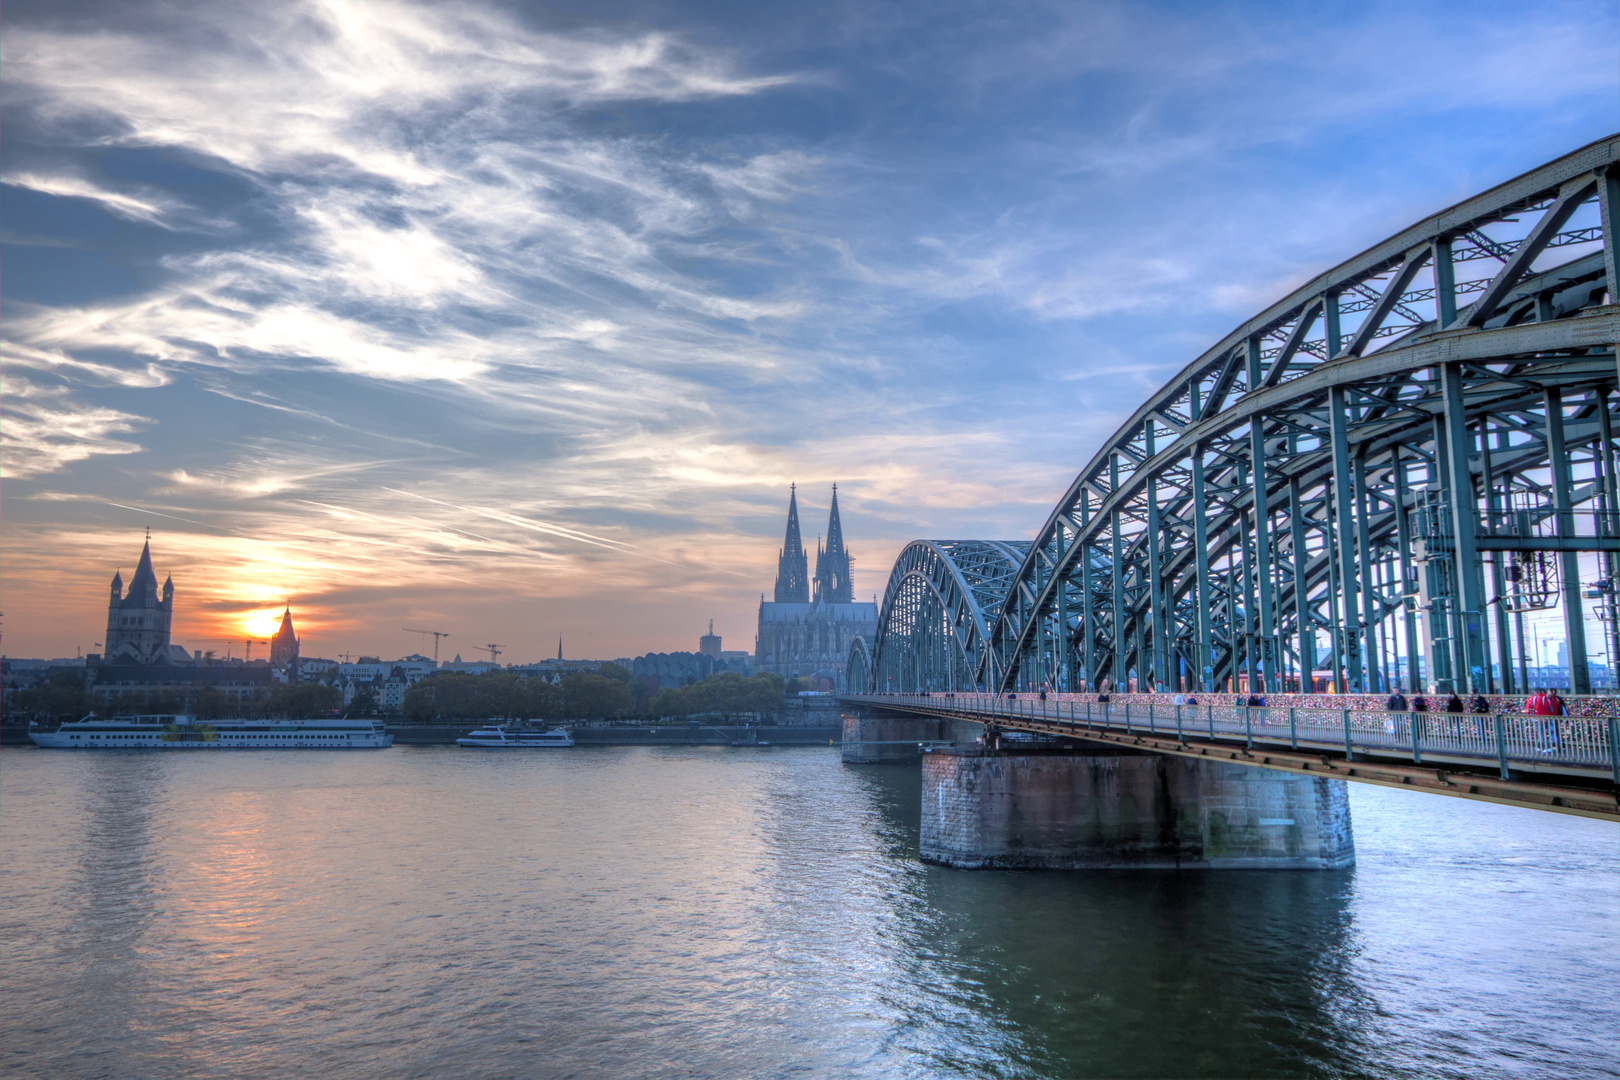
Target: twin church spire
[
  {"x": 832, "y": 582},
  {"x": 792, "y": 569}
]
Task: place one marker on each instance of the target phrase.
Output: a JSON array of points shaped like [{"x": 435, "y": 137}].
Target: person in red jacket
[
  {"x": 1545, "y": 728},
  {"x": 1555, "y": 709}
]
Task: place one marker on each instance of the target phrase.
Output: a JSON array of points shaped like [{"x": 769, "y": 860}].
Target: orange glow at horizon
[{"x": 261, "y": 625}]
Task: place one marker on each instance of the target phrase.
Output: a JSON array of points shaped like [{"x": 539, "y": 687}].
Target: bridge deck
[{"x": 1566, "y": 764}]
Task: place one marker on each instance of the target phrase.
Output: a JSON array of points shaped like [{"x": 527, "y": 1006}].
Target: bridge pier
[
  {"x": 1125, "y": 809},
  {"x": 892, "y": 737}
]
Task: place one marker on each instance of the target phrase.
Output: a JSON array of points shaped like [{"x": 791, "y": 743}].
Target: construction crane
[
  {"x": 437, "y": 634},
  {"x": 494, "y": 650},
  {"x": 246, "y": 643}
]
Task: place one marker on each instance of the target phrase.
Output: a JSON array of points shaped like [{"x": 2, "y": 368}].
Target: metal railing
[
  {"x": 1576, "y": 745},
  {"x": 1542, "y": 522}
]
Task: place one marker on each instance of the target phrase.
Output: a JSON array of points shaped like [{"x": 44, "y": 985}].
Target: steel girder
[
  {"x": 942, "y": 598},
  {"x": 858, "y": 669},
  {"x": 1315, "y": 468}
]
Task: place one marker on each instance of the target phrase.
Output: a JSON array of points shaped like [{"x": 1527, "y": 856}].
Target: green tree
[
  {"x": 60, "y": 697},
  {"x": 364, "y": 702},
  {"x": 162, "y": 701},
  {"x": 455, "y": 695},
  {"x": 592, "y": 697},
  {"x": 669, "y": 702},
  {"x": 299, "y": 701},
  {"x": 545, "y": 700},
  {"x": 726, "y": 694},
  {"x": 212, "y": 704},
  {"x": 611, "y": 670},
  {"x": 444, "y": 695},
  {"x": 131, "y": 702}
]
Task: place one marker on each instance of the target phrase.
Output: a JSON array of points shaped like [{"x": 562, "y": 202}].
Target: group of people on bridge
[{"x": 1543, "y": 702}]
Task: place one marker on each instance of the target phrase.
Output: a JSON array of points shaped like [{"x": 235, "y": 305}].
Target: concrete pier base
[
  {"x": 1127, "y": 809},
  {"x": 892, "y": 738}
]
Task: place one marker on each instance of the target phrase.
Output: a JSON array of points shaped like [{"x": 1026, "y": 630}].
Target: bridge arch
[
  {"x": 942, "y": 598},
  {"x": 858, "y": 669},
  {"x": 1374, "y": 469}
]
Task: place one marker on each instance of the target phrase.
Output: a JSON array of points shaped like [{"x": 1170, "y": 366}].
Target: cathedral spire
[
  {"x": 792, "y": 567},
  {"x": 835, "y": 528},
  {"x": 833, "y": 585}
]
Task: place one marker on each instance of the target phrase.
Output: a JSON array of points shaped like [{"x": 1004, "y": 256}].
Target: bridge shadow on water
[{"x": 1137, "y": 973}]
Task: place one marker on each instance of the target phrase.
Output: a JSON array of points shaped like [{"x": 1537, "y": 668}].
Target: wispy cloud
[
  {"x": 150, "y": 207},
  {"x": 44, "y": 430}
]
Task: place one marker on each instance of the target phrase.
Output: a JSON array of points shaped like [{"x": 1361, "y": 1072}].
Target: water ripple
[{"x": 427, "y": 912}]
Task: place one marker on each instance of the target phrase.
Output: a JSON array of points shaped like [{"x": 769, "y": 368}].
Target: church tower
[
  {"x": 792, "y": 565},
  {"x": 833, "y": 584},
  {"x": 138, "y": 622},
  {"x": 284, "y": 646}
]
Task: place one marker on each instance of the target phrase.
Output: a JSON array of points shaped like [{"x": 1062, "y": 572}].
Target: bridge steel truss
[
  {"x": 1393, "y": 459},
  {"x": 1351, "y": 453},
  {"x": 943, "y": 596}
]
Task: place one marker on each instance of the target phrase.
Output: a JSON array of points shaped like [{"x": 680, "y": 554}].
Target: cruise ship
[
  {"x": 497, "y": 737},
  {"x": 182, "y": 732}
]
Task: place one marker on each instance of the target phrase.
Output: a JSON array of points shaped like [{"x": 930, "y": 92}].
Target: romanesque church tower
[{"x": 138, "y": 623}]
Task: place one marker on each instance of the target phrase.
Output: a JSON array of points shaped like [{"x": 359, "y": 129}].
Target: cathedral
[{"x": 807, "y": 629}]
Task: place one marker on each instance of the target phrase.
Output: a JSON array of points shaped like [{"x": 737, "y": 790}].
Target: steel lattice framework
[
  {"x": 1390, "y": 460},
  {"x": 943, "y": 597}
]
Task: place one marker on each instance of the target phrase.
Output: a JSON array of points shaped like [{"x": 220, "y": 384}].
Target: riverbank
[
  {"x": 615, "y": 735},
  {"x": 647, "y": 734}
]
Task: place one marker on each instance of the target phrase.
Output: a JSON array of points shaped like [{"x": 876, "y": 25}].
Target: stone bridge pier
[
  {"x": 1106, "y": 808},
  {"x": 878, "y": 736}
]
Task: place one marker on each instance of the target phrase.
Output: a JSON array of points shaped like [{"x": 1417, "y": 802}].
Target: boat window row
[{"x": 236, "y": 735}]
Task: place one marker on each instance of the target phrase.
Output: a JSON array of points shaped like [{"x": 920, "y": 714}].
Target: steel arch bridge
[
  {"x": 1380, "y": 469},
  {"x": 942, "y": 599}
]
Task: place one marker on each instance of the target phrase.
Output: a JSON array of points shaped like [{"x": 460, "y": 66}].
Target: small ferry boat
[
  {"x": 501, "y": 737},
  {"x": 181, "y": 732}
]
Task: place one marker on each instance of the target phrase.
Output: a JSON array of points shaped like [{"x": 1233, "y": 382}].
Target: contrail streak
[{"x": 527, "y": 523}]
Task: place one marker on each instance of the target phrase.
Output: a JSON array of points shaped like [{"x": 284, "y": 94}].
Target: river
[{"x": 699, "y": 912}]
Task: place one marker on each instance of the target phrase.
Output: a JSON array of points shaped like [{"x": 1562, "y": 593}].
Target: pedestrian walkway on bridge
[{"x": 1569, "y": 764}]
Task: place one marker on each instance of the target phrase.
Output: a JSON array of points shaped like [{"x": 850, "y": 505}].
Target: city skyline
[{"x": 516, "y": 322}]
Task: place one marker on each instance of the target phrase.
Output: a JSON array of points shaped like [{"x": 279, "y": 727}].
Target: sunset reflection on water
[{"x": 717, "y": 912}]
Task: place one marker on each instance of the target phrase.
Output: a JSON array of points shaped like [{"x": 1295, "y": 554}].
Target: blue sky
[{"x": 519, "y": 320}]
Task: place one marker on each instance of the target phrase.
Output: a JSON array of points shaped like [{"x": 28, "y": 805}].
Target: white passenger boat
[
  {"x": 181, "y": 732},
  {"x": 500, "y": 737}
]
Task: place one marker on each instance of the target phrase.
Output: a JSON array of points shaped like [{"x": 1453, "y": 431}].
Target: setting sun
[{"x": 261, "y": 625}]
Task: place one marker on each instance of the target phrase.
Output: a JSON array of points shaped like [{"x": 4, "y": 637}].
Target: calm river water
[{"x": 435, "y": 912}]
